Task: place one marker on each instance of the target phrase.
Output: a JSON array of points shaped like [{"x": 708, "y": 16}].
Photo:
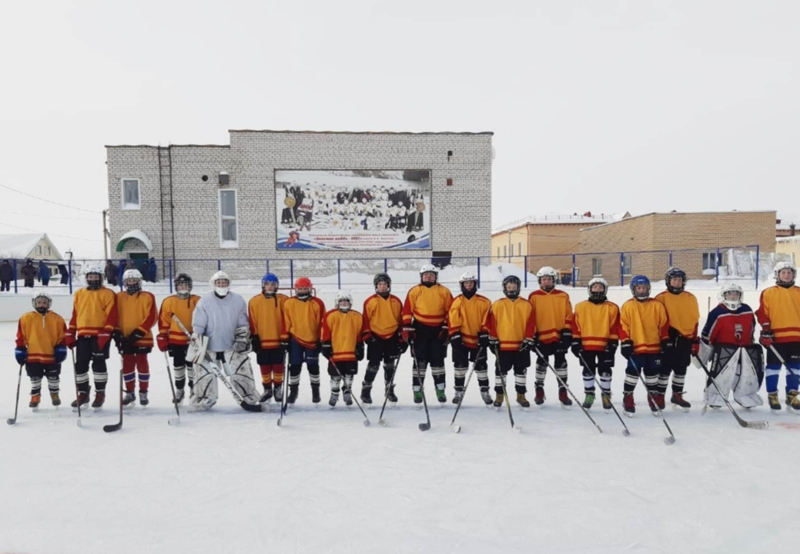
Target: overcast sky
[{"x": 598, "y": 105}]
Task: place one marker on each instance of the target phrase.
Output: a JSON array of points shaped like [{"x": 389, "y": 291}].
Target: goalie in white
[{"x": 220, "y": 345}]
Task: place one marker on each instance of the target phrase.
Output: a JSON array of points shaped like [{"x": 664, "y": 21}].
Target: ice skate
[
  {"x": 588, "y": 400},
  {"x": 793, "y": 402},
  {"x": 606, "y": 399},
  {"x": 366, "y": 394},
  {"x": 180, "y": 394},
  {"x": 486, "y": 397},
  {"x": 498, "y": 400},
  {"x": 563, "y": 397},
  {"x": 334, "y": 399},
  {"x": 315, "y": 398},
  {"x": 522, "y": 401},
  {"x": 628, "y": 404},
  {"x": 129, "y": 399},
  {"x": 347, "y": 396},
  {"x": 539, "y": 397},
  {"x": 278, "y": 393},
  {"x": 678, "y": 403},
  {"x": 83, "y": 398},
  {"x": 391, "y": 396},
  {"x": 459, "y": 394},
  {"x": 143, "y": 400},
  {"x": 55, "y": 399},
  {"x": 35, "y": 400},
  {"x": 293, "y": 392},
  {"x": 267, "y": 396},
  {"x": 99, "y": 400},
  {"x": 774, "y": 403}
]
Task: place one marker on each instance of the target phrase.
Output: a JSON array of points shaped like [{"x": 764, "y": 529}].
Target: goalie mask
[
  {"x": 730, "y": 296},
  {"x": 221, "y": 283},
  {"x": 132, "y": 280}
]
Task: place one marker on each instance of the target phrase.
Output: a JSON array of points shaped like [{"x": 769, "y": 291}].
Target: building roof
[
  {"x": 364, "y": 132},
  {"x": 675, "y": 212},
  {"x": 795, "y": 238},
  {"x": 786, "y": 220},
  {"x": 19, "y": 246},
  {"x": 562, "y": 219}
]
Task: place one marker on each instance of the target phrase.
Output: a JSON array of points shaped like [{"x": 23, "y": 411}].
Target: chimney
[{"x": 791, "y": 229}]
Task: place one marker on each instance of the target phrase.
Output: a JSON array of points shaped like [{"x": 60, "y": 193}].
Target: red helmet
[{"x": 302, "y": 282}]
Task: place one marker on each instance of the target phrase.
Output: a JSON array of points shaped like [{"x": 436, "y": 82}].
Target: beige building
[
  {"x": 648, "y": 244},
  {"x": 789, "y": 245}
]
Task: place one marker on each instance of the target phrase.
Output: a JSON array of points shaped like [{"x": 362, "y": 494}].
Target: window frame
[
  {"x": 130, "y": 207},
  {"x": 627, "y": 264},
  {"x": 222, "y": 242},
  {"x": 597, "y": 267}
]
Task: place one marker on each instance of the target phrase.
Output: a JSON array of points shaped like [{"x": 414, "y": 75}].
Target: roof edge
[
  {"x": 489, "y": 133},
  {"x": 167, "y": 146}
]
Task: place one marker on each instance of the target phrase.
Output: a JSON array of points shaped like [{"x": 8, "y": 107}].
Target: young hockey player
[
  {"x": 94, "y": 318},
  {"x": 136, "y": 312},
  {"x": 171, "y": 337},
  {"x": 511, "y": 324},
  {"x": 221, "y": 343},
  {"x": 727, "y": 341},
  {"x": 40, "y": 346},
  {"x": 595, "y": 336},
  {"x": 683, "y": 314},
  {"x": 342, "y": 346},
  {"x": 303, "y": 315},
  {"x": 425, "y": 329},
  {"x": 779, "y": 316},
  {"x": 469, "y": 339},
  {"x": 553, "y": 311},
  {"x": 268, "y": 335},
  {"x": 383, "y": 319},
  {"x": 644, "y": 330}
]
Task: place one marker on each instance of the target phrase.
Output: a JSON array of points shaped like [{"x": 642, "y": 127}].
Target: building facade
[{"x": 197, "y": 204}]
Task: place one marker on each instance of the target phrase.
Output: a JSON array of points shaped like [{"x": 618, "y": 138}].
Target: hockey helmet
[
  {"x": 730, "y": 295},
  {"x": 779, "y": 267},
  {"x": 637, "y": 281},
  {"x": 547, "y": 271},
  {"x": 302, "y": 287},
  {"x": 597, "y": 296},
  {"x": 428, "y": 268},
  {"x": 672, "y": 273},
  {"x": 343, "y": 297},
  {"x": 94, "y": 277},
  {"x": 512, "y": 280},
  {"x": 41, "y": 294},
  {"x": 220, "y": 282},
  {"x": 183, "y": 285},
  {"x": 382, "y": 278},
  {"x": 132, "y": 279},
  {"x": 270, "y": 284}
]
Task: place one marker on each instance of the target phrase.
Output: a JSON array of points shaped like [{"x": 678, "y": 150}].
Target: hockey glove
[
  {"x": 360, "y": 351},
  {"x": 626, "y": 349},
  {"x": 60, "y": 353},
  {"x": 566, "y": 337},
  {"x": 444, "y": 335},
  {"x": 527, "y": 345},
  {"x": 611, "y": 348},
  {"x": 21, "y": 354},
  {"x": 695, "y": 347},
  {"x": 767, "y": 337},
  {"x": 577, "y": 348},
  {"x": 69, "y": 339},
  {"x": 402, "y": 346},
  {"x": 162, "y": 339},
  {"x": 494, "y": 345},
  {"x": 133, "y": 338},
  {"x": 371, "y": 339},
  {"x": 456, "y": 341},
  {"x": 255, "y": 343},
  {"x": 327, "y": 350},
  {"x": 483, "y": 339},
  {"x": 408, "y": 333}
]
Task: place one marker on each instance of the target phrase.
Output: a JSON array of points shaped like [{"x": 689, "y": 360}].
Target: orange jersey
[
  {"x": 645, "y": 323},
  {"x": 468, "y": 316},
  {"x": 303, "y": 319},
  {"x": 41, "y": 334},
  {"x": 595, "y": 325},
  {"x": 137, "y": 312},
  {"x": 511, "y": 321},
  {"x": 93, "y": 311},
  {"x": 780, "y": 310},
  {"x": 553, "y": 314},
  {"x": 382, "y": 316},
  {"x": 266, "y": 319},
  {"x": 343, "y": 331},
  {"x": 181, "y": 308},
  {"x": 683, "y": 312},
  {"x": 428, "y": 305}
]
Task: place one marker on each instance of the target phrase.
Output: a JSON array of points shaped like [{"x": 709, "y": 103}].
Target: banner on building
[{"x": 353, "y": 209}]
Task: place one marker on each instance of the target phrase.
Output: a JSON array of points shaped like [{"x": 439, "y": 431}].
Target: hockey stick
[
  {"x": 671, "y": 438},
  {"x": 563, "y": 384},
  {"x": 285, "y": 387},
  {"x": 502, "y": 376},
  {"x": 389, "y": 386},
  {"x": 353, "y": 396},
  {"x": 457, "y": 428},
  {"x": 116, "y": 426},
  {"x": 427, "y": 425},
  {"x": 174, "y": 420},
  {"x": 742, "y": 422},
  {"x": 12, "y": 421},
  {"x": 77, "y": 389},
  {"x": 625, "y": 430}
]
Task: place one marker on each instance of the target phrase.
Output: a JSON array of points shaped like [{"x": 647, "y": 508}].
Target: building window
[
  {"x": 710, "y": 263},
  {"x": 498, "y": 251},
  {"x": 511, "y": 250},
  {"x": 505, "y": 251},
  {"x": 519, "y": 248},
  {"x": 39, "y": 250},
  {"x": 627, "y": 264},
  {"x": 597, "y": 267},
  {"x": 229, "y": 228},
  {"x": 49, "y": 252},
  {"x": 130, "y": 194}
]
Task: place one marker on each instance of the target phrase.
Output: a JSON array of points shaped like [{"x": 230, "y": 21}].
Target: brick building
[
  {"x": 633, "y": 240},
  {"x": 187, "y": 202}
]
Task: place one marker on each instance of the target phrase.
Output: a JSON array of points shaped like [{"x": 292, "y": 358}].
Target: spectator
[
  {"x": 146, "y": 270},
  {"x": 152, "y": 272},
  {"x": 44, "y": 273},
  {"x": 29, "y": 273},
  {"x": 6, "y": 275},
  {"x": 62, "y": 269},
  {"x": 123, "y": 265},
  {"x": 111, "y": 273}
]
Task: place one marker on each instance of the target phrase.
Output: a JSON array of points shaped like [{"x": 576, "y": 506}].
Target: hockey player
[
  {"x": 303, "y": 315},
  {"x": 683, "y": 314},
  {"x": 644, "y": 330},
  {"x": 727, "y": 341},
  {"x": 221, "y": 343},
  {"x": 136, "y": 312},
  {"x": 268, "y": 335},
  {"x": 171, "y": 337},
  {"x": 469, "y": 339},
  {"x": 553, "y": 311},
  {"x": 425, "y": 329},
  {"x": 383, "y": 320},
  {"x": 595, "y": 336},
  {"x": 511, "y": 325},
  {"x": 342, "y": 346},
  {"x": 779, "y": 316},
  {"x": 40, "y": 346},
  {"x": 94, "y": 318}
]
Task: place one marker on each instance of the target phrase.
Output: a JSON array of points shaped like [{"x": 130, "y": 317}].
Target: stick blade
[
  {"x": 757, "y": 425},
  {"x": 455, "y": 428},
  {"x": 367, "y": 423},
  {"x": 669, "y": 441},
  {"x": 626, "y": 433},
  {"x": 424, "y": 426},
  {"x": 11, "y": 421},
  {"x": 112, "y": 428},
  {"x": 383, "y": 423}
]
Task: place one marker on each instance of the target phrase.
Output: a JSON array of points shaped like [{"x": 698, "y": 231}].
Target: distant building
[
  {"x": 30, "y": 246},
  {"x": 789, "y": 245},
  {"x": 787, "y": 225}
]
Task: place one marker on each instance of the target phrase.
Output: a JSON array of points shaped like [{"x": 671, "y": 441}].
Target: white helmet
[
  {"x": 219, "y": 289},
  {"x": 343, "y": 296},
  {"x": 429, "y": 268},
  {"x": 131, "y": 274},
  {"x": 93, "y": 283},
  {"x": 467, "y": 276},
  {"x": 547, "y": 271},
  {"x": 780, "y": 266},
  {"x": 730, "y": 303},
  {"x": 597, "y": 296},
  {"x": 41, "y": 294}
]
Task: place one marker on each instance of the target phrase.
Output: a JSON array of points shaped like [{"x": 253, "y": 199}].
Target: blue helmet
[
  {"x": 270, "y": 278},
  {"x": 640, "y": 280}
]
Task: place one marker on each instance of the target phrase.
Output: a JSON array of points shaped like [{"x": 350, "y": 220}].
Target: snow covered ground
[{"x": 231, "y": 481}]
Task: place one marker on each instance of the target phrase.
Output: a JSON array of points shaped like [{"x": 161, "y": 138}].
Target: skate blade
[
  {"x": 792, "y": 411},
  {"x": 678, "y": 408},
  {"x": 628, "y": 414},
  {"x": 657, "y": 413},
  {"x": 776, "y": 410},
  {"x": 566, "y": 406},
  {"x": 98, "y": 409}
]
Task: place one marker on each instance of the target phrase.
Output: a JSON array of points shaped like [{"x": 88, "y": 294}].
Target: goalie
[
  {"x": 736, "y": 360},
  {"x": 220, "y": 346}
]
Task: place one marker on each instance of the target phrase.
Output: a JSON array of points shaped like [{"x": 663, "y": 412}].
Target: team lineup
[{"x": 210, "y": 339}]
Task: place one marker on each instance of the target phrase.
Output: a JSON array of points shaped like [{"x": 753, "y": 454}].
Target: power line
[
  {"x": 47, "y": 216},
  {"x": 50, "y": 201},
  {"x": 53, "y": 234}
]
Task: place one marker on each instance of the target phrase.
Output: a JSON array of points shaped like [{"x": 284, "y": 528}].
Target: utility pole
[{"x": 105, "y": 236}]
